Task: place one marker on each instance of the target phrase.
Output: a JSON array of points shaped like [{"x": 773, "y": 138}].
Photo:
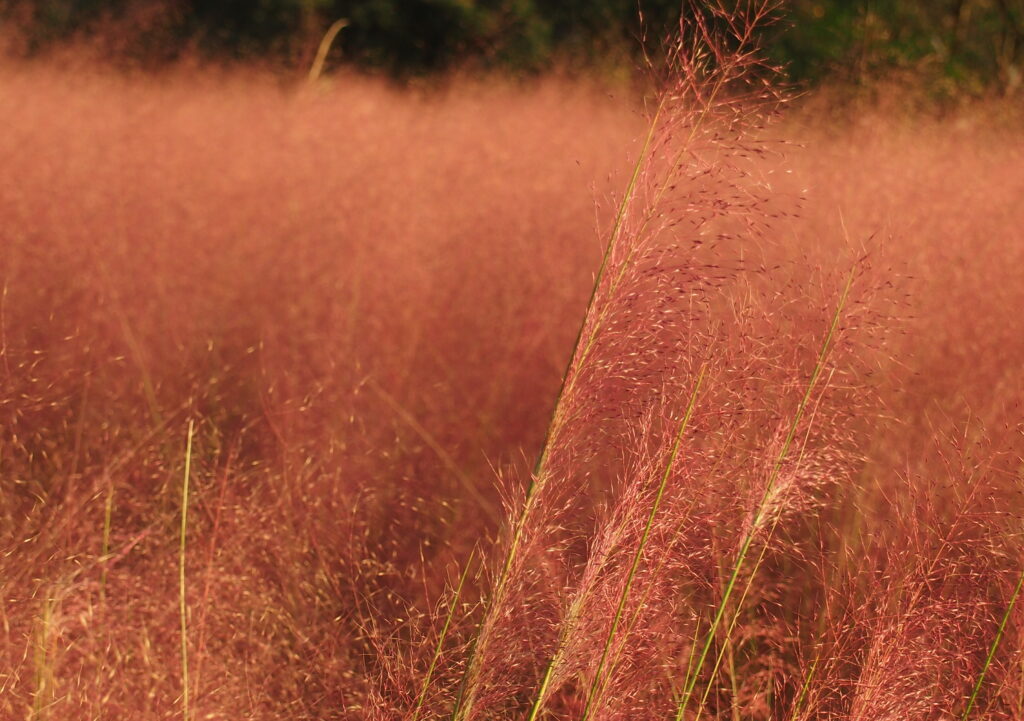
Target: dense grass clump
[{"x": 288, "y": 432}]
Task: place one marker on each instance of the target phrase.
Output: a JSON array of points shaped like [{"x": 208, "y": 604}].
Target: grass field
[{"x": 782, "y": 479}]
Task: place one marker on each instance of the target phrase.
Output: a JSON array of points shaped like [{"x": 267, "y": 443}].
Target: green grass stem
[
  {"x": 182, "y": 605},
  {"x": 465, "y": 699},
  {"x": 441, "y": 639},
  {"x": 598, "y": 680},
  {"x": 693, "y": 675},
  {"x": 992, "y": 651}
]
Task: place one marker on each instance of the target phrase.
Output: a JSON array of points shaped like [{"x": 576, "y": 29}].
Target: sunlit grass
[{"x": 365, "y": 299}]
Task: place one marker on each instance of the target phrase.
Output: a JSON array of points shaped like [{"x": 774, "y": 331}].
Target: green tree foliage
[
  {"x": 970, "y": 44},
  {"x": 967, "y": 43}
]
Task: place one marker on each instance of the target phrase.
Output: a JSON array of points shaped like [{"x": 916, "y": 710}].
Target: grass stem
[
  {"x": 441, "y": 639},
  {"x": 693, "y": 675},
  {"x": 598, "y": 680},
  {"x": 182, "y": 604},
  {"x": 325, "y": 47},
  {"x": 992, "y": 651},
  {"x": 464, "y": 702}
]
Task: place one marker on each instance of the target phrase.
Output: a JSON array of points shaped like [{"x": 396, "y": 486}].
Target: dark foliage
[{"x": 972, "y": 44}]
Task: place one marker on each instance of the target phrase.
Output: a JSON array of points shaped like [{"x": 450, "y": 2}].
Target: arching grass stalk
[
  {"x": 441, "y": 639},
  {"x": 568, "y": 627},
  {"x": 693, "y": 674},
  {"x": 317, "y": 67},
  {"x": 598, "y": 680},
  {"x": 568, "y": 378},
  {"x": 182, "y": 605},
  {"x": 992, "y": 651},
  {"x": 732, "y": 625},
  {"x": 465, "y": 698},
  {"x": 635, "y": 617}
]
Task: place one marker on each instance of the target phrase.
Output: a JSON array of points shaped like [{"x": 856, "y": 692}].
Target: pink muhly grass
[
  {"x": 318, "y": 308},
  {"x": 688, "y": 188},
  {"x": 453, "y": 606},
  {"x": 765, "y": 514},
  {"x": 913, "y": 629},
  {"x": 919, "y": 660},
  {"x": 596, "y": 567}
]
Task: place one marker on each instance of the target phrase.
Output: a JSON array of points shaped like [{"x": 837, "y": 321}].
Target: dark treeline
[{"x": 969, "y": 45}]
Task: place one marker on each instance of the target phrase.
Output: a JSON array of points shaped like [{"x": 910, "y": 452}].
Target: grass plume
[{"x": 365, "y": 326}]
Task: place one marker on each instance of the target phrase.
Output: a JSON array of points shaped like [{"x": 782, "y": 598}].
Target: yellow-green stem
[
  {"x": 464, "y": 702},
  {"x": 325, "y": 47},
  {"x": 798, "y": 705},
  {"x": 108, "y": 512},
  {"x": 440, "y": 641},
  {"x": 992, "y": 651},
  {"x": 693, "y": 675},
  {"x": 182, "y": 604},
  {"x": 598, "y": 681}
]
